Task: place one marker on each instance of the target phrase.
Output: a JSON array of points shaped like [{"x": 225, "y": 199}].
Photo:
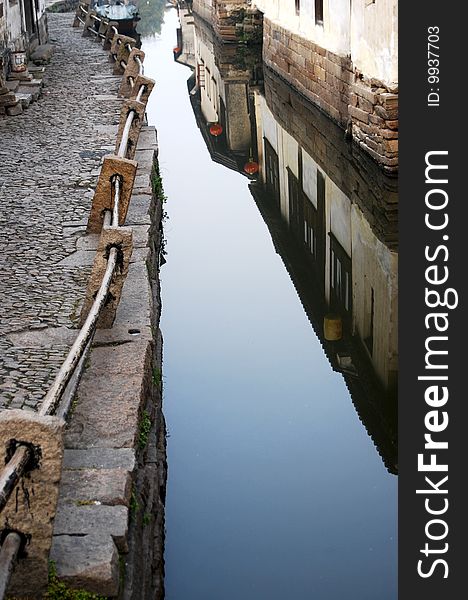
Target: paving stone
[
  {"x": 104, "y": 486},
  {"x": 94, "y": 519},
  {"x": 100, "y": 458},
  {"x": 43, "y": 209},
  {"x": 88, "y": 562}
]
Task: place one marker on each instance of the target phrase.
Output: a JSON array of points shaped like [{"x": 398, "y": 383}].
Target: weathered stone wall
[
  {"x": 366, "y": 107},
  {"x": 232, "y": 20},
  {"x": 109, "y": 527}
]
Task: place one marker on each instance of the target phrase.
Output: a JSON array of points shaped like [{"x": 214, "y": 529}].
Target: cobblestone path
[{"x": 49, "y": 162}]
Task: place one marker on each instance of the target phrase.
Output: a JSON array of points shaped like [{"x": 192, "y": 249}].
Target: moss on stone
[{"x": 57, "y": 590}]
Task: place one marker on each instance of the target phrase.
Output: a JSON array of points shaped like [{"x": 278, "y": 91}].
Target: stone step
[
  {"x": 36, "y": 70},
  {"x": 88, "y": 562},
  {"x": 25, "y": 99},
  {"x": 32, "y": 90},
  {"x": 12, "y": 85}
]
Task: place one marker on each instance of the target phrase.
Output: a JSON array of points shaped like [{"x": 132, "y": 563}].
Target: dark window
[
  {"x": 296, "y": 206},
  {"x": 319, "y": 12},
  {"x": 310, "y": 226},
  {"x": 298, "y": 6},
  {"x": 272, "y": 172},
  {"x": 340, "y": 277}
]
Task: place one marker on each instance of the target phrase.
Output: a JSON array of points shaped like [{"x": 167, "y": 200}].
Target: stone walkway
[{"x": 49, "y": 162}]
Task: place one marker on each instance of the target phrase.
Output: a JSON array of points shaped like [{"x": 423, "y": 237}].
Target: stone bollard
[
  {"x": 111, "y": 237},
  {"x": 30, "y": 511},
  {"x": 139, "y": 109},
  {"x": 89, "y": 23},
  {"x": 79, "y": 13},
  {"x": 149, "y": 85},
  {"x": 103, "y": 196},
  {"x": 110, "y": 33},
  {"x": 132, "y": 70},
  {"x": 120, "y": 51}
]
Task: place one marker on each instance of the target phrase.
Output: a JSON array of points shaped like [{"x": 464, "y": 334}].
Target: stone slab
[
  {"x": 89, "y": 562},
  {"x": 101, "y": 486},
  {"x": 135, "y": 303},
  {"x": 113, "y": 421},
  {"x": 43, "y": 338},
  {"x": 138, "y": 211},
  {"x": 98, "y": 520},
  {"x": 100, "y": 458}
]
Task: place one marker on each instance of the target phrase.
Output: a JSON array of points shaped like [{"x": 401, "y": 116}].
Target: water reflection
[
  {"x": 331, "y": 213},
  {"x": 151, "y": 13},
  {"x": 275, "y": 490}
]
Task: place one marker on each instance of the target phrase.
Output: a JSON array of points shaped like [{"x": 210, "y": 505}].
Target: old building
[
  {"x": 225, "y": 76},
  {"x": 23, "y": 26},
  {"x": 341, "y": 55}
]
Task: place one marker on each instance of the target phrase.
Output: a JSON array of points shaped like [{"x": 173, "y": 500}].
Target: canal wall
[{"x": 109, "y": 527}]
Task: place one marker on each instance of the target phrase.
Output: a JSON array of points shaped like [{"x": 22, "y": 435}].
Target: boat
[{"x": 122, "y": 12}]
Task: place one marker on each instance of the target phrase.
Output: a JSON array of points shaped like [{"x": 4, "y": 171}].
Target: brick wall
[{"x": 365, "y": 107}]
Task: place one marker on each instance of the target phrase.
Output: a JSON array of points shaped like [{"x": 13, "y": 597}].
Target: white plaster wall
[
  {"x": 269, "y": 124},
  {"x": 13, "y": 23},
  {"x": 367, "y": 32},
  {"x": 374, "y": 39},
  {"x": 375, "y": 266},
  {"x": 334, "y": 34},
  {"x": 209, "y": 93},
  {"x": 41, "y": 8},
  {"x": 309, "y": 177},
  {"x": 339, "y": 207}
]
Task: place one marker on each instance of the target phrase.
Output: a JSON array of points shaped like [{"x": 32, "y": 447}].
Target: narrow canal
[{"x": 281, "y": 452}]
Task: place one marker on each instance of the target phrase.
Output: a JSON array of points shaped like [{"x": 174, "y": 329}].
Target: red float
[
  {"x": 216, "y": 129},
  {"x": 177, "y": 50}
]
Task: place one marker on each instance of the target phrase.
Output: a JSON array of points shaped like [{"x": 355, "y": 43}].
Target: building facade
[
  {"x": 23, "y": 26},
  {"x": 340, "y": 54}
]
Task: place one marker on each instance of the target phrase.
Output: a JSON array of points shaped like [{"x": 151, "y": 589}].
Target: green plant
[
  {"x": 146, "y": 518},
  {"x": 57, "y": 590},
  {"x": 157, "y": 376},
  {"x": 157, "y": 184},
  {"x": 134, "y": 504},
  {"x": 145, "y": 428}
]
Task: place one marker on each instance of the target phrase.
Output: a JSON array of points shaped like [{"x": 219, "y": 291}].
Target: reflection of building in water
[
  {"x": 225, "y": 78},
  {"x": 332, "y": 216},
  {"x": 341, "y": 55}
]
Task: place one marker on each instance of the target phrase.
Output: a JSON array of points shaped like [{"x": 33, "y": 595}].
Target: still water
[{"x": 276, "y": 488}]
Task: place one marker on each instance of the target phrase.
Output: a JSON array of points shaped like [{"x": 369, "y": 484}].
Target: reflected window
[
  {"x": 319, "y": 12},
  {"x": 310, "y": 224},
  {"x": 296, "y": 205},
  {"x": 340, "y": 277},
  {"x": 272, "y": 171}
]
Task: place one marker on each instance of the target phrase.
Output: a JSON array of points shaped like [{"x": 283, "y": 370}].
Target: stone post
[{"x": 30, "y": 510}]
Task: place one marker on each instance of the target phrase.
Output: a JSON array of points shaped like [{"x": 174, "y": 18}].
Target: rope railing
[{"x": 107, "y": 216}]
